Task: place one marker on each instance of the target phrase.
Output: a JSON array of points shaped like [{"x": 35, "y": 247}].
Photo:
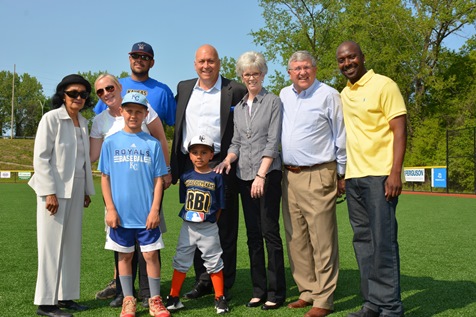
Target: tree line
[{"x": 402, "y": 39}]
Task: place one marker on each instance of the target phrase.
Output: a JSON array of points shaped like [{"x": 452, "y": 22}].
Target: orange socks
[
  {"x": 218, "y": 283},
  {"x": 177, "y": 281}
]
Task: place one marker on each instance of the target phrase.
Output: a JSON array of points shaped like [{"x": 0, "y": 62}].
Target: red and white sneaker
[
  {"x": 128, "y": 307},
  {"x": 157, "y": 308}
]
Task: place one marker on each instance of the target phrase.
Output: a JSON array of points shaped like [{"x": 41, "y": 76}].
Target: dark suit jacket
[{"x": 231, "y": 93}]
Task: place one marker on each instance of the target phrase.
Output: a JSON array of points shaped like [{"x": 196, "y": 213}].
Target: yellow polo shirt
[{"x": 368, "y": 106}]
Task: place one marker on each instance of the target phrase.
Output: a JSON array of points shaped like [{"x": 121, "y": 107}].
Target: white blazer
[{"x": 54, "y": 155}]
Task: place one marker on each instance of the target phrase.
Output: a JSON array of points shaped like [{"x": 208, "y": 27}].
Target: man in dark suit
[{"x": 205, "y": 106}]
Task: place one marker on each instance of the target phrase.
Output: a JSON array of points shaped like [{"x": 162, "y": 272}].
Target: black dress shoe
[
  {"x": 274, "y": 306},
  {"x": 52, "y": 311},
  {"x": 117, "y": 302},
  {"x": 364, "y": 312},
  {"x": 254, "y": 304},
  {"x": 198, "y": 291},
  {"x": 69, "y": 304}
]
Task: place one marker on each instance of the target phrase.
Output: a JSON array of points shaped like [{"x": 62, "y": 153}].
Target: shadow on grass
[{"x": 422, "y": 296}]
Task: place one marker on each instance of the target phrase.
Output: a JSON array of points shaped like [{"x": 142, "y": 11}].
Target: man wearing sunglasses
[{"x": 159, "y": 95}]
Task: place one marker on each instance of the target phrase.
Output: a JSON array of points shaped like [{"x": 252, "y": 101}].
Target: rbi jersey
[
  {"x": 203, "y": 195},
  {"x": 132, "y": 161}
]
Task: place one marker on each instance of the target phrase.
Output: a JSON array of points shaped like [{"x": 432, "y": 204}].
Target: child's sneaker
[
  {"x": 128, "y": 307},
  {"x": 221, "y": 305},
  {"x": 173, "y": 303},
  {"x": 157, "y": 308}
]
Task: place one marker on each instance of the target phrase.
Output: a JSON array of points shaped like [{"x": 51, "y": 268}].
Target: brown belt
[{"x": 299, "y": 169}]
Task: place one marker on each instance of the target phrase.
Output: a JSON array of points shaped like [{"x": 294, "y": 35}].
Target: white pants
[{"x": 59, "y": 248}]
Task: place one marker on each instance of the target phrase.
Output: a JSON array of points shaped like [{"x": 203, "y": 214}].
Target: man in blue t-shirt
[{"x": 159, "y": 95}]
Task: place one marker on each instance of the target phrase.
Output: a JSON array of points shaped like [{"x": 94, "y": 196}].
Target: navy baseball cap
[
  {"x": 143, "y": 48},
  {"x": 135, "y": 98}
]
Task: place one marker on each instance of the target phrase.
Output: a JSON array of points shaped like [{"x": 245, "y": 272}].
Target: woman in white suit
[{"x": 63, "y": 182}]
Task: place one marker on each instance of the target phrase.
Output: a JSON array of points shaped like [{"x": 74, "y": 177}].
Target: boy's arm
[
  {"x": 153, "y": 219},
  {"x": 112, "y": 218}
]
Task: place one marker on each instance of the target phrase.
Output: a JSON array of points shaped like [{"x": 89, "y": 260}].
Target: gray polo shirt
[{"x": 257, "y": 135}]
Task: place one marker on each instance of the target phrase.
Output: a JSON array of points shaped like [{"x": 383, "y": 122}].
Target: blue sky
[{"x": 49, "y": 39}]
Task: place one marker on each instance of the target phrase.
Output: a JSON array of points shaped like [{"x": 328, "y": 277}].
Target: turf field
[{"x": 437, "y": 246}]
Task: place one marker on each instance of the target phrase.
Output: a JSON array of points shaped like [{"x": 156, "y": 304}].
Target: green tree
[
  {"x": 299, "y": 25},
  {"x": 28, "y": 98},
  {"x": 402, "y": 39},
  {"x": 228, "y": 68}
]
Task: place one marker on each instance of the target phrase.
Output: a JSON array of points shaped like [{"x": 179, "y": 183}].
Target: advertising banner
[
  {"x": 438, "y": 177},
  {"x": 415, "y": 175}
]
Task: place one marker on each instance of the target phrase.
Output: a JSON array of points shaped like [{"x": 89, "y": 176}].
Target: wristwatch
[{"x": 340, "y": 176}]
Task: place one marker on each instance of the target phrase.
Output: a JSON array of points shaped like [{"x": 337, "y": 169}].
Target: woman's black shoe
[
  {"x": 251, "y": 304},
  {"x": 274, "y": 306},
  {"x": 69, "y": 304},
  {"x": 51, "y": 311}
]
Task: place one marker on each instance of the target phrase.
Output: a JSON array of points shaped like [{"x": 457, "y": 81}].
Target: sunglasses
[
  {"x": 74, "y": 94},
  {"x": 109, "y": 88},
  {"x": 142, "y": 57}
]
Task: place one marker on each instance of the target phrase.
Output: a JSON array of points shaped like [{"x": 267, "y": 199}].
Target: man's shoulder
[
  {"x": 186, "y": 82},
  {"x": 286, "y": 89},
  {"x": 157, "y": 84},
  {"x": 225, "y": 82},
  {"x": 381, "y": 83},
  {"x": 327, "y": 88}
]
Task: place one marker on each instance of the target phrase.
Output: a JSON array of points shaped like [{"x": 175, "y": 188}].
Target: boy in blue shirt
[
  {"x": 203, "y": 193},
  {"x": 132, "y": 166}
]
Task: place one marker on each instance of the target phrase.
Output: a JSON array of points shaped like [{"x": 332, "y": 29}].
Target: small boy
[
  {"x": 132, "y": 166},
  {"x": 203, "y": 194}
]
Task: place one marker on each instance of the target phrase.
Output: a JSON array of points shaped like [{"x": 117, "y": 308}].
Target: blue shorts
[{"x": 123, "y": 240}]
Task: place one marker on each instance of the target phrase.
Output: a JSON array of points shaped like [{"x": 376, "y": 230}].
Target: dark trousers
[
  {"x": 262, "y": 222},
  {"x": 375, "y": 243},
  {"x": 227, "y": 229}
]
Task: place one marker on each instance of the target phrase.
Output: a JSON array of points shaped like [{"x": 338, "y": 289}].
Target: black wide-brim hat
[{"x": 74, "y": 79}]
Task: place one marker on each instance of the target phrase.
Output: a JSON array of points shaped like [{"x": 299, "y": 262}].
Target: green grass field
[{"x": 437, "y": 243}]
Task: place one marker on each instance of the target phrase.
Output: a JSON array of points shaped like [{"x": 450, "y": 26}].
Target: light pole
[
  {"x": 13, "y": 100},
  {"x": 42, "y": 104}
]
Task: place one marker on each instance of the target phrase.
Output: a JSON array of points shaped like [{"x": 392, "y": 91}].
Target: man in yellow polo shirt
[{"x": 375, "y": 121}]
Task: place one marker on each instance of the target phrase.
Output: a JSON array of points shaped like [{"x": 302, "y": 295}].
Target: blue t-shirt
[
  {"x": 158, "y": 95},
  {"x": 202, "y": 195},
  {"x": 132, "y": 161}
]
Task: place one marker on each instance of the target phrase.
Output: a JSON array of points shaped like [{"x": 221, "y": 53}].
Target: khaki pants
[{"x": 309, "y": 215}]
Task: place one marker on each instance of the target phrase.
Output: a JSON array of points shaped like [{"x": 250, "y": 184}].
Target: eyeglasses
[
  {"x": 109, "y": 88},
  {"x": 248, "y": 76},
  {"x": 75, "y": 94},
  {"x": 142, "y": 57},
  {"x": 299, "y": 69}
]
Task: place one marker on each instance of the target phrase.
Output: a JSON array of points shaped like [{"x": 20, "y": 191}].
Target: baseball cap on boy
[
  {"x": 201, "y": 140},
  {"x": 135, "y": 98},
  {"x": 143, "y": 48}
]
